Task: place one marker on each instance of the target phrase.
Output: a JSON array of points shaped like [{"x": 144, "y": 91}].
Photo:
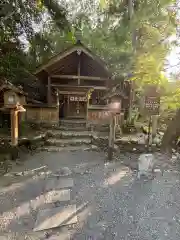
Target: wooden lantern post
[
  {"x": 14, "y": 127},
  {"x": 114, "y": 107},
  {"x": 14, "y": 123},
  {"x": 152, "y": 107}
]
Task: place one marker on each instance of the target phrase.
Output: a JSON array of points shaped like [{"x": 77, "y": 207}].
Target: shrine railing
[{"x": 100, "y": 115}]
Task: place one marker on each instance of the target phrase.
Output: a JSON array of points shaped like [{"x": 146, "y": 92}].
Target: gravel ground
[{"x": 111, "y": 202}]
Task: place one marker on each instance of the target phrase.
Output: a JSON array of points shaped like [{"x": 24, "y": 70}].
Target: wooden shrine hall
[{"x": 76, "y": 81}]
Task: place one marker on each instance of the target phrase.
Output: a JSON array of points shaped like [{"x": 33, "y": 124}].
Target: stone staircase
[
  {"x": 70, "y": 135},
  {"x": 72, "y": 124}
]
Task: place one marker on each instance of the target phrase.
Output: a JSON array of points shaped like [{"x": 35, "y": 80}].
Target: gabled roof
[
  {"x": 115, "y": 91},
  {"x": 6, "y": 85},
  {"x": 76, "y": 47}
]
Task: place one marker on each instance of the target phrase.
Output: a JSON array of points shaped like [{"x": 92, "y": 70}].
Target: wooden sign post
[
  {"x": 114, "y": 99},
  {"x": 115, "y": 107},
  {"x": 149, "y": 133},
  {"x": 152, "y": 105}
]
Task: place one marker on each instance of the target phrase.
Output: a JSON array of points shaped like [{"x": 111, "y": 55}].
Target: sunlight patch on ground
[
  {"x": 117, "y": 177},
  {"x": 84, "y": 211},
  {"x": 20, "y": 211},
  {"x": 13, "y": 215},
  {"x": 12, "y": 187},
  {"x": 27, "y": 172}
]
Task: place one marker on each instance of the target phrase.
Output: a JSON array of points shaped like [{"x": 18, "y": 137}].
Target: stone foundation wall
[
  {"x": 48, "y": 115},
  {"x": 97, "y": 116},
  {"x": 99, "y": 119}
]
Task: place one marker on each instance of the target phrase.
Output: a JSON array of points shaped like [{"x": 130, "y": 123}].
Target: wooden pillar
[
  {"x": 57, "y": 103},
  {"x": 115, "y": 126},
  {"x": 57, "y": 98},
  {"x": 87, "y": 106},
  {"x": 68, "y": 106},
  {"x": 49, "y": 100},
  {"x": 79, "y": 70},
  {"x": 14, "y": 127}
]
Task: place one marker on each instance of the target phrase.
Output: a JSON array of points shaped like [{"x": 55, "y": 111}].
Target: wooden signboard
[
  {"x": 77, "y": 99},
  {"x": 152, "y": 105},
  {"x": 98, "y": 115}
]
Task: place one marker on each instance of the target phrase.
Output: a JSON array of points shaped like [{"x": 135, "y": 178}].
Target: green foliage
[
  {"x": 19, "y": 21},
  {"x": 171, "y": 97},
  {"x": 105, "y": 28},
  {"x": 58, "y": 13}
]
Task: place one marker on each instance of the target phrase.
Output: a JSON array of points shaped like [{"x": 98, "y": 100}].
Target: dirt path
[{"x": 110, "y": 202}]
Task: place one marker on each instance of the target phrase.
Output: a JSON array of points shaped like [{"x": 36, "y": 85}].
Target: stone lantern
[
  {"x": 14, "y": 99},
  {"x": 114, "y": 99}
]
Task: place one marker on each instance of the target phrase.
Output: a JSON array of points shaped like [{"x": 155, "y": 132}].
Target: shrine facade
[{"x": 76, "y": 81}]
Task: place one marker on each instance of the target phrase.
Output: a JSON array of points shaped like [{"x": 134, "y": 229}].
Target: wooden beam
[
  {"x": 80, "y": 77},
  {"x": 79, "y": 87},
  {"x": 72, "y": 92},
  {"x": 49, "y": 100}
]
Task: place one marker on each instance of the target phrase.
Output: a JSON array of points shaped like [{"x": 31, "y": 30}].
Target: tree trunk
[
  {"x": 130, "y": 13},
  {"x": 171, "y": 134}
]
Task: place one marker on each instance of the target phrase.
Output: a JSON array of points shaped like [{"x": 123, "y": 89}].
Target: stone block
[{"x": 55, "y": 217}]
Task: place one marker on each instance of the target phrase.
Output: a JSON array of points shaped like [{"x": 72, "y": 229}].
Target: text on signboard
[{"x": 77, "y": 99}]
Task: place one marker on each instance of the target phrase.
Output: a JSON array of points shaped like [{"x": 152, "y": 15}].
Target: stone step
[
  {"x": 73, "y": 123},
  {"x": 66, "y": 128},
  {"x": 68, "y": 142},
  {"x": 78, "y": 121},
  {"x": 69, "y": 148},
  {"x": 100, "y": 128},
  {"x": 69, "y": 134}
]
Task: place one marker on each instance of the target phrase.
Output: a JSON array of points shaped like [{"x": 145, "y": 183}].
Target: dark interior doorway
[{"x": 62, "y": 101}]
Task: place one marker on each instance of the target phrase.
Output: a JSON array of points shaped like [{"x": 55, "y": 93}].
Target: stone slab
[
  {"x": 55, "y": 217},
  {"x": 57, "y": 196},
  {"x": 55, "y": 183},
  {"x": 23, "y": 236},
  {"x": 82, "y": 147},
  {"x": 71, "y": 141}
]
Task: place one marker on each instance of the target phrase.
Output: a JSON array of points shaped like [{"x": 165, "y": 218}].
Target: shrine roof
[
  {"x": 6, "y": 85},
  {"x": 67, "y": 59}
]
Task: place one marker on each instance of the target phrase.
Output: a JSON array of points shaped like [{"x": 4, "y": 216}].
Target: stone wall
[
  {"x": 42, "y": 114},
  {"x": 101, "y": 115},
  {"x": 98, "y": 115},
  {"x": 98, "y": 119}
]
